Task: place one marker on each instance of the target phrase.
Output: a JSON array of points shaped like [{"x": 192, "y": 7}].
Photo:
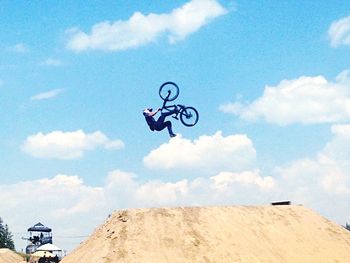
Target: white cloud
[
  {"x": 67, "y": 145},
  {"x": 253, "y": 178},
  {"x": 321, "y": 183},
  {"x": 304, "y": 100},
  {"x": 113, "y": 144},
  {"x": 210, "y": 153},
  {"x": 123, "y": 189},
  {"x": 343, "y": 77},
  {"x": 19, "y": 48},
  {"x": 335, "y": 148},
  {"x": 51, "y": 62},
  {"x": 142, "y": 29},
  {"x": 47, "y": 95},
  {"x": 58, "y": 202},
  {"x": 339, "y": 32},
  {"x": 201, "y": 191},
  {"x": 328, "y": 170},
  {"x": 62, "y": 201},
  {"x": 162, "y": 193}
]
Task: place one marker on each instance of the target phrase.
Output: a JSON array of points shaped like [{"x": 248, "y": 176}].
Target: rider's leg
[
  {"x": 171, "y": 112},
  {"x": 164, "y": 115},
  {"x": 161, "y": 126},
  {"x": 170, "y": 130}
]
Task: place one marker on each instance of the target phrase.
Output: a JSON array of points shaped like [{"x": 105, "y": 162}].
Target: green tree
[
  {"x": 2, "y": 233},
  {"x": 347, "y": 226},
  {"x": 6, "y": 238}
]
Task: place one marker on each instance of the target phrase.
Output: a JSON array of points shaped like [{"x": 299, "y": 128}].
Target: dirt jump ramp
[
  {"x": 9, "y": 256},
  {"x": 260, "y": 234}
]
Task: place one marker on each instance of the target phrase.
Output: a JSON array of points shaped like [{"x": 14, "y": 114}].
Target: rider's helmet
[{"x": 147, "y": 111}]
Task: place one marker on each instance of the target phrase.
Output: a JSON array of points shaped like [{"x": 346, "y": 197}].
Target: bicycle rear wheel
[
  {"x": 169, "y": 91},
  {"x": 189, "y": 116}
]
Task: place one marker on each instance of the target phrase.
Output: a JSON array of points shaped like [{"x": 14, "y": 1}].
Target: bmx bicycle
[{"x": 169, "y": 91}]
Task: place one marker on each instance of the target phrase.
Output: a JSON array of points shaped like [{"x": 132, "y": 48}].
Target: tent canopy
[
  {"x": 48, "y": 247},
  {"x": 39, "y": 227},
  {"x": 40, "y": 254}
]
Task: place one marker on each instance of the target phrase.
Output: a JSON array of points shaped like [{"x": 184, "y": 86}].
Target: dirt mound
[
  {"x": 216, "y": 234},
  {"x": 8, "y": 256}
]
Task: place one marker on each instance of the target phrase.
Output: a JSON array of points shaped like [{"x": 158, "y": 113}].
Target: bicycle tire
[
  {"x": 189, "y": 113},
  {"x": 169, "y": 86}
]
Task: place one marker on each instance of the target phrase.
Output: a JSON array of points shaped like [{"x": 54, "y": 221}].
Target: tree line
[
  {"x": 347, "y": 226},
  {"x": 6, "y": 238}
]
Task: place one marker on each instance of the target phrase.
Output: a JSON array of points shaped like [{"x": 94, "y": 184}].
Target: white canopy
[
  {"x": 48, "y": 247},
  {"x": 41, "y": 253}
]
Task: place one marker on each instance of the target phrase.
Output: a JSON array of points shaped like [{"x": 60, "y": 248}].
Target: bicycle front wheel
[
  {"x": 189, "y": 116},
  {"x": 169, "y": 91}
]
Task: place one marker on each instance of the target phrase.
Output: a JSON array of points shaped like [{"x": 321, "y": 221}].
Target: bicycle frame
[
  {"x": 171, "y": 107},
  {"x": 186, "y": 113}
]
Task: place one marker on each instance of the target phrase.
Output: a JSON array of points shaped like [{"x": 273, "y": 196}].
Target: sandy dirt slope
[
  {"x": 8, "y": 256},
  {"x": 216, "y": 234}
]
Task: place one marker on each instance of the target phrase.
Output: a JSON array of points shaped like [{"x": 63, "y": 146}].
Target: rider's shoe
[{"x": 172, "y": 135}]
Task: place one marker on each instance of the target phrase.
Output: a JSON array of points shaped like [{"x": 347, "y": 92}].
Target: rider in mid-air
[{"x": 160, "y": 124}]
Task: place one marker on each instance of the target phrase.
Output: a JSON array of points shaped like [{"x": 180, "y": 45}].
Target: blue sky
[{"x": 271, "y": 82}]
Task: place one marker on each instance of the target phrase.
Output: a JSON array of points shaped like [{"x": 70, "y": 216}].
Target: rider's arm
[{"x": 151, "y": 114}]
